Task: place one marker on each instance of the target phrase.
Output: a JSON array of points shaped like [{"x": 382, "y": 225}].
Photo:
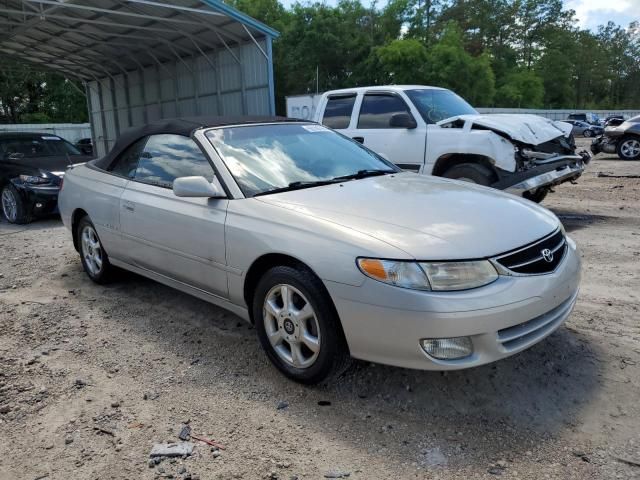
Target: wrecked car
[
  {"x": 622, "y": 139},
  {"x": 323, "y": 245},
  {"x": 32, "y": 166},
  {"x": 434, "y": 131}
]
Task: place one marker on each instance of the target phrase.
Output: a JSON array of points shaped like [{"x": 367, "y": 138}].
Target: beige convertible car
[{"x": 330, "y": 250}]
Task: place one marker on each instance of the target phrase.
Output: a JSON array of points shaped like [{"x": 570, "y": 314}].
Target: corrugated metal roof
[{"x": 90, "y": 39}]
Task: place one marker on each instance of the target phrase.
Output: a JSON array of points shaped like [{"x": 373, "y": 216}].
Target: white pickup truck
[{"x": 433, "y": 131}]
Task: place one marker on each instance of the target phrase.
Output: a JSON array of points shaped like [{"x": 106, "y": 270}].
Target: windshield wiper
[
  {"x": 364, "y": 174},
  {"x": 297, "y": 186}
]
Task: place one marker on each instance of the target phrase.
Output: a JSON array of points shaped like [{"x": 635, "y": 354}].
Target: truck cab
[{"x": 433, "y": 131}]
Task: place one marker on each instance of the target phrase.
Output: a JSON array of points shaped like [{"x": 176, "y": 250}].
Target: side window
[
  {"x": 337, "y": 113},
  {"x": 126, "y": 164},
  {"x": 167, "y": 157},
  {"x": 376, "y": 110}
]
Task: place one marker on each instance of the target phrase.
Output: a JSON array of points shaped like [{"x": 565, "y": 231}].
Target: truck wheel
[
  {"x": 470, "y": 172},
  {"x": 536, "y": 196},
  {"x": 629, "y": 148}
]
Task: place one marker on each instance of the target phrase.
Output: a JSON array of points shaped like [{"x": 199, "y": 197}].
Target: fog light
[{"x": 447, "y": 348}]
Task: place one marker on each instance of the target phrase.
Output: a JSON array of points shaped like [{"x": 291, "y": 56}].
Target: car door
[
  {"x": 180, "y": 238},
  {"x": 403, "y": 146}
]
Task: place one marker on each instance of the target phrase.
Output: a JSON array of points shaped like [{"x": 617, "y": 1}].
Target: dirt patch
[{"x": 92, "y": 377}]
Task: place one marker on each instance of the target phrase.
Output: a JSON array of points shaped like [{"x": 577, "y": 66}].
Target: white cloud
[{"x": 591, "y": 13}]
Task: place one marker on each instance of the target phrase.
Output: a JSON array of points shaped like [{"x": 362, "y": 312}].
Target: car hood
[
  {"x": 428, "y": 218},
  {"x": 530, "y": 129}
]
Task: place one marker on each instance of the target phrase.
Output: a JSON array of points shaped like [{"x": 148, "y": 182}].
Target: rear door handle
[
  {"x": 129, "y": 206},
  {"x": 359, "y": 139}
]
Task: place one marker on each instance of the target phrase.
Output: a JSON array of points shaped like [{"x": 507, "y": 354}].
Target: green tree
[
  {"x": 403, "y": 61},
  {"x": 450, "y": 66},
  {"x": 521, "y": 89}
]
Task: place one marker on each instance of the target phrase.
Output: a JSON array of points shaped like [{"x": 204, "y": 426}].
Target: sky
[{"x": 590, "y": 13}]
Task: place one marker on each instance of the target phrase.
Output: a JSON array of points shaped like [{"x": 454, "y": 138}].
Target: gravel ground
[{"x": 91, "y": 377}]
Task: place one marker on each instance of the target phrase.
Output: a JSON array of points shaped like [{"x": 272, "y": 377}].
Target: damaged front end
[
  {"x": 541, "y": 154},
  {"x": 543, "y": 166}
]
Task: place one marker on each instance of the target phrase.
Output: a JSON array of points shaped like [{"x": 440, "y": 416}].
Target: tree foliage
[{"x": 33, "y": 97}]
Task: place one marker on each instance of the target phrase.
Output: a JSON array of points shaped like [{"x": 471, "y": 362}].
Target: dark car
[
  {"x": 32, "y": 166},
  {"x": 623, "y": 139},
  {"x": 584, "y": 129},
  {"x": 85, "y": 145}
]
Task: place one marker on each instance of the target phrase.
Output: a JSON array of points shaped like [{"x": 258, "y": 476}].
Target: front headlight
[
  {"x": 437, "y": 276},
  {"x": 33, "y": 180},
  {"x": 446, "y": 276}
]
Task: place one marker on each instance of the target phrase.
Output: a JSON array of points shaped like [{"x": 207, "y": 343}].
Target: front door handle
[
  {"x": 128, "y": 206},
  {"x": 359, "y": 139}
]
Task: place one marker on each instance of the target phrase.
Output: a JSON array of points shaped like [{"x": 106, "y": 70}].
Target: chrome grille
[{"x": 540, "y": 257}]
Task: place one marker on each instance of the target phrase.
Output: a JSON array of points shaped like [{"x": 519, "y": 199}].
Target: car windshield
[
  {"x": 30, "y": 147},
  {"x": 275, "y": 157},
  {"x": 436, "y": 105}
]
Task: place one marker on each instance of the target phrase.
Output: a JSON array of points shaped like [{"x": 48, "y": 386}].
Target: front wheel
[
  {"x": 298, "y": 326},
  {"x": 13, "y": 207},
  {"x": 95, "y": 260},
  {"x": 470, "y": 172},
  {"x": 629, "y": 148},
  {"x": 537, "y": 195},
  {"x": 587, "y": 133}
]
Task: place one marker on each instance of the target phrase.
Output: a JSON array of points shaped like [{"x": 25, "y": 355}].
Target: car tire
[
  {"x": 93, "y": 256},
  {"x": 587, "y": 133},
  {"x": 470, "y": 172},
  {"x": 13, "y": 207},
  {"x": 287, "y": 330},
  {"x": 538, "y": 196},
  {"x": 629, "y": 148}
]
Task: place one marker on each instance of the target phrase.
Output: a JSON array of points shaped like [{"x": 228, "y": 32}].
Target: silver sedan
[{"x": 330, "y": 250}]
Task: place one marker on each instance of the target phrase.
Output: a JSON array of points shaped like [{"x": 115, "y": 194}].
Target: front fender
[{"x": 451, "y": 141}]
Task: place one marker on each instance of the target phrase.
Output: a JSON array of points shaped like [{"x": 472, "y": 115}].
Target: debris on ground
[
  {"x": 185, "y": 433},
  {"x": 179, "y": 449},
  {"x": 207, "y": 441},
  {"x": 282, "y": 404},
  {"x": 337, "y": 474}
]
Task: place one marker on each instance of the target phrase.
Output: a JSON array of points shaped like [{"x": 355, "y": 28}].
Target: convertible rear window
[{"x": 268, "y": 157}]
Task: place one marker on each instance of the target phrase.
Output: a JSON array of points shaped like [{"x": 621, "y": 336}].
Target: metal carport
[{"x": 142, "y": 60}]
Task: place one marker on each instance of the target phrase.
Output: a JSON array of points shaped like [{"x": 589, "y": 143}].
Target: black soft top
[{"x": 178, "y": 126}]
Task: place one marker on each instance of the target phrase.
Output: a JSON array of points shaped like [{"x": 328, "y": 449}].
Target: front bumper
[
  {"x": 384, "y": 324},
  {"x": 39, "y": 200},
  {"x": 549, "y": 179}
]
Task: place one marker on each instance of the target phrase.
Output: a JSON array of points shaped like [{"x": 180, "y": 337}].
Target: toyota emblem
[{"x": 547, "y": 255}]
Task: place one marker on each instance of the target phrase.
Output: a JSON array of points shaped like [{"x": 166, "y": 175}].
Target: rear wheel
[
  {"x": 629, "y": 148},
  {"x": 587, "y": 133},
  {"x": 297, "y": 325},
  {"x": 95, "y": 260},
  {"x": 470, "y": 172},
  {"x": 13, "y": 208}
]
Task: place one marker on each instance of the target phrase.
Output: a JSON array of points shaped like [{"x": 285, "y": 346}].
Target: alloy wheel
[
  {"x": 630, "y": 148},
  {"x": 9, "y": 205},
  {"x": 291, "y": 326},
  {"x": 91, "y": 250}
]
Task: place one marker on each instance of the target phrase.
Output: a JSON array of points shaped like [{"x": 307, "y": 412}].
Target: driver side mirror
[
  {"x": 403, "y": 120},
  {"x": 198, "y": 187}
]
